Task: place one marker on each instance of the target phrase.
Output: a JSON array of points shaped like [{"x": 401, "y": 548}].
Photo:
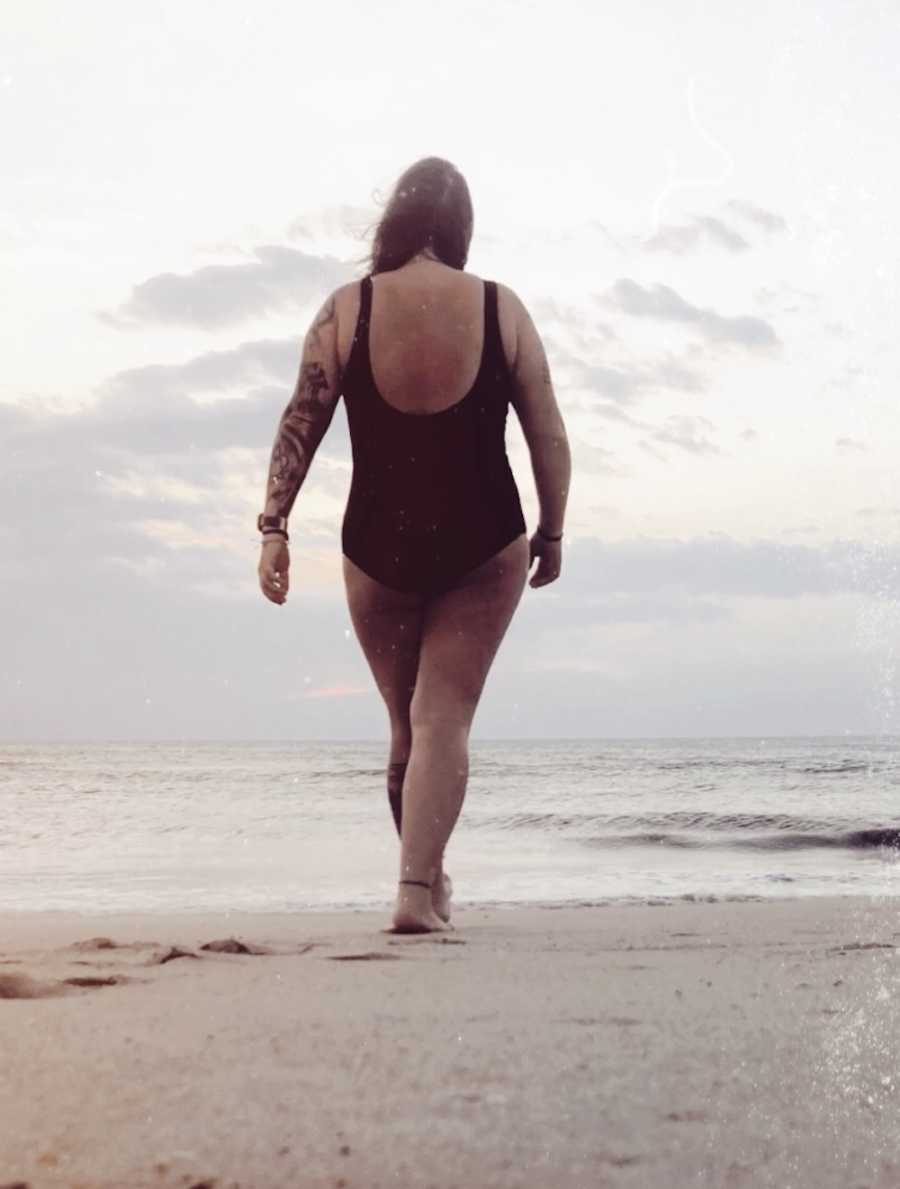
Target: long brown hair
[{"x": 430, "y": 206}]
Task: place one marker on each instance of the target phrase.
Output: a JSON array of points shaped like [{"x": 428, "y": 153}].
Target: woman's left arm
[{"x": 308, "y": 413}]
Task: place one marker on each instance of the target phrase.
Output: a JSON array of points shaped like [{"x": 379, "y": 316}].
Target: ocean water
[{"x": 283, "y": 826}]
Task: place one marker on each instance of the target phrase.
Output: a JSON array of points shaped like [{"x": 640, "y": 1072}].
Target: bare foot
[
  {"x": 440, "y": 896},
  {"x": 414, "y": 912}
]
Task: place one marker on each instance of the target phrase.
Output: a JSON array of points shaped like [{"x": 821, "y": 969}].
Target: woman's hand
[
  {"x": 274, "y": 563},
  {"x": 549, "y": 554}
]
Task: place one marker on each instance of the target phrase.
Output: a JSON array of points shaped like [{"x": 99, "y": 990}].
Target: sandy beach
[{"x": 679, "y": 1044}]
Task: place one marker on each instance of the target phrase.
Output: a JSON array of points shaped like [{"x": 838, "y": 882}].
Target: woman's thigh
[
  {"x": 388, "y": 625},
  {"x": 461, "y": 632}
]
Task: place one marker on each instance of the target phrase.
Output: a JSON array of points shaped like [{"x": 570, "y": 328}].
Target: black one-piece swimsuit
[{"x": 432, "y": 495}]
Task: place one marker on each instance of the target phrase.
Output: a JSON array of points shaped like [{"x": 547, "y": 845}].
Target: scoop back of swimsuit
[{"x": 432, "y": 495}]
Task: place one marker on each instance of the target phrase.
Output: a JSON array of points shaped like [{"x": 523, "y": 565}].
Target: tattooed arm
[{"x": 308, "y": 413}]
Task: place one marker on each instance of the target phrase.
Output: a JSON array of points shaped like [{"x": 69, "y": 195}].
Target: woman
[{"x": 435, "y": 550}]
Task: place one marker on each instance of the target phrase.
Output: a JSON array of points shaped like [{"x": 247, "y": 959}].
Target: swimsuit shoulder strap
[
  {"x": 360, "y": 345},
  {"x": 365, "y": 304},
  {"x": 493, "y": 345}
]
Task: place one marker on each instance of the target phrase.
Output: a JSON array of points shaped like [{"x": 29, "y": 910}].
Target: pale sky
[{"x": 699, "y": 209}]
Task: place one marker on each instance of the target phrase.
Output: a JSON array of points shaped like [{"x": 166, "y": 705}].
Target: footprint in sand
[
  {"x": 57, "y": 980},
  {"x": 427, "y": 939},
  {"x": 861, "y": 945},
  {"x": 21, "y": 986},
  {"x": 170, "y": 954},
  {"x": 159, "y": 953},
  {"x": 94, "y": 980},
  {"x": 95, "y": 943},
  {"x": 371, "y": 956},
  {"x": 231, "y": 945},
  {"x": 103, "y": 953}
]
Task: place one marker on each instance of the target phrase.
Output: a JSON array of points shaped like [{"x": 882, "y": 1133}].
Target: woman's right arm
[{"x": 544, "y": 430}]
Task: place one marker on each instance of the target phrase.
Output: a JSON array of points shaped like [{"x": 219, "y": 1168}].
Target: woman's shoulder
[
  {"x": 509, "y": 307},
  {"x": 508, "y": 312},
  {"x": 347, "y": 300}
]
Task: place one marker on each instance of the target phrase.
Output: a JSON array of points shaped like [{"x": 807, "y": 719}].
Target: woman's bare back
[{"x": 426, "y": 333}]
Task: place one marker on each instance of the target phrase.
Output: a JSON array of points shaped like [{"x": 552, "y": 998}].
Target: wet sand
[{"x": 682, "y": 1044}]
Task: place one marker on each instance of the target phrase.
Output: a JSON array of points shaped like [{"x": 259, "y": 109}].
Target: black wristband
[
  {"x": 275, "y": 532},
  {"x": 546, "y": 538}
]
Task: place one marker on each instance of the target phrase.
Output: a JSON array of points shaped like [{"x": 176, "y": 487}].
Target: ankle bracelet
[{"x": 418, "y": 882}]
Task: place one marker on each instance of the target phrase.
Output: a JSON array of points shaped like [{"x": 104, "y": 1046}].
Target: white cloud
[
  {"x": 768, "y": 220},
  {"x": 665, "y": 304},
  {"x": 218, "y": 295},
  {"x": 702, "y": 230}
]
